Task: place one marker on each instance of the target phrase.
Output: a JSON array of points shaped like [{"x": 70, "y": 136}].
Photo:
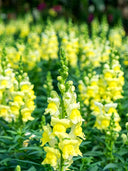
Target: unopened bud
[
  {"x": 20, "y": 77},
  {"x": 61, "y": 87},
  {"x": 45, "y": 86},
  {"x": 89, "y": 75},
  {"x": 124, "y": 137},
  {"x": 116, "y": 136},
  {"x": 70, "y": 82},
  {"x": 59, "y": 78},
  {"x": 126, "y": 125},
  {"x": 18, "y": 168},
  {"x": 73, "y": 88},
  {"x": 108, "y": 132},
  {"x": 65, "y": 68},
  {"x": 25, "y": 74},
  {"x": 66, "y": 74}
]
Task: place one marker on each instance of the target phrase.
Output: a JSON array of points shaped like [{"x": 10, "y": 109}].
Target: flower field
[{"x": 63, "y": 96}]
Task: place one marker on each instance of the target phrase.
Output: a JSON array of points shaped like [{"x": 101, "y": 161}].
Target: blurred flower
[
  {"x": 125, "y": 12},
  {"x": 90, "y": 17},
  {"x": 11, "y": 16},
  {"x": 91, "y": 8},
  {"x": 110, "y": 18},
  {"x": 57, "y": 8},
  {"x": 52, "y": 12},
  {"x": 41, "y": 6}
]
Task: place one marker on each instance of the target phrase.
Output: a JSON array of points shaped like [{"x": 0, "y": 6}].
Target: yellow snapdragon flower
[
  {"x": 104, "y": 115},
  {"x": 52, "y": 156}
]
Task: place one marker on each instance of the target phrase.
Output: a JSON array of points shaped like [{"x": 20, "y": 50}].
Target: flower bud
[
  {"x": 116, "y": 135},
  {"x": 70, "y": 82},
  {"x": 65, "y": 68},
  {"x": 66, "y": 74},
  {"x": 73, "y": 88},
  {"x": 108, "y": 132},
  {"x": 89, "y": 75},
  {"x": 61, "y": 87},
  {"x": 124, "y": 137},
  {"x": 25, "y": 74},
  {"x": 126, "y": 125},
  {"x": 20, "y": 77},
  {"x": 45, "y": 86},
  {"x": 59, "y": 78},
  {"x": 18, "y": 168}
]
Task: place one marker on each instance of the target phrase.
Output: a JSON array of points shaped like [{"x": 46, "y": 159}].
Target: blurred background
[{"x": 78, "y": 10}]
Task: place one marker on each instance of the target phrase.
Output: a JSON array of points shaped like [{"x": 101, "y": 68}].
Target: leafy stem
[{"x": 110, "y": 139}]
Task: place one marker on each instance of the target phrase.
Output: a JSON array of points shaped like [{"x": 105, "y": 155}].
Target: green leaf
[
  {"x": 3, "y": 151},
  {"x": 6, "y": 137},
  {"x": 119, "y": 157},
  {"x": 95, "y": 168},
  {"x": 26, "y": 161},
  {"x": 32, "y": 169},
  {"x": 4, "y": 125},
  {"x": 36, "y": 153},
  {"x": 12, "y": 132},
  {"x": 31, "y": 148},
  {"x": 17, "y": 137},
  {"x": 4, "y": 161},
  {"x": 122, "y": 152},
  {"x": 94, "y": 153},
  {"x": 85, "y": 143},
  {"x": 12, "y": 147},
  {"x": 77, "y": 158},
  {"x": 110, "y": 165}
]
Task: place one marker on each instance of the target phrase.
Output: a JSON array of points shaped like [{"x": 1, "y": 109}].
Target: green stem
[
  {"x": 109, "y": 147},
  {"x": 4, "y": 98},
  {"x": 111, "y": 151},
  {"x": 61, "y": 163},
  {"x": 62, "y": 103},
  {"x": 63, "y": 109},
  {"x": 126, "y": 168}
]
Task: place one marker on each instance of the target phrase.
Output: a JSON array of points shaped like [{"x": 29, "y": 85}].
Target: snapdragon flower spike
[
  {"x": 63, "y": 135},
  {"x": 24, "y": 94},
  {"x": 71, "y": 45},
  {"x": 48, "y": 84},
  {"x": 103, "y": 115},
  {"x": 105, "y": 87},
  {"x": 16, "y": 94},
  {"x": 49, "y": 43},
  {"x": 7, "y": 79}
]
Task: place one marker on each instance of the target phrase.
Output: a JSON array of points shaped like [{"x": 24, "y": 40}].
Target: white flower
[{"x": 110, "y": 105}]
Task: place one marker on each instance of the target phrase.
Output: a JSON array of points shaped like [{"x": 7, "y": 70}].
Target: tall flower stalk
[
  {"x": 16, "y": 93},
  {"x": 63, "y": 135}
]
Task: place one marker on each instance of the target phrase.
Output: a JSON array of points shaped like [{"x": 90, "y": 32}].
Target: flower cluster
[
  {"x": 89, "y": 92},
  {"x": 103, "y": 115},
  {"x": 49, "y": 44},
  {"x": 105, "y": 87},
  {"x": 16, "y": 94},
  {"x": 75, "y": 40},
  {"x": 93, "y": 52},
  {"x": 11, "y": 52},
  {"x": 71, "y": 46},
  {"x": 116, "y": 36},
  {"x": 64, "y": 134}
]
